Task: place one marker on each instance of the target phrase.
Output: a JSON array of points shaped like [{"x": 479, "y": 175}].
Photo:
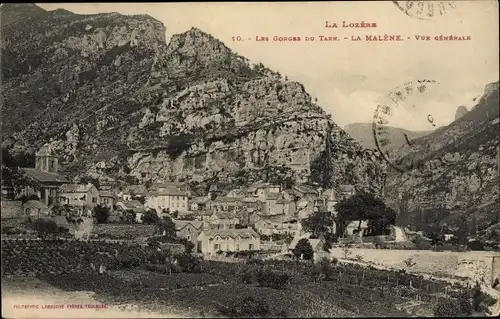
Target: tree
[
  {"x": 303, "y": 249},
  {"x": 365, "y": 206},
  {"x": 150, "y": 217},
  {"x": 166, "y": 227},
  {"x": 45, "y": 228},
  {"x": 101, "y": 214},
  {"x": 140, "y": 199},
  {"x": 318, "y": 223},
  {"x": 129, "y": 216}
]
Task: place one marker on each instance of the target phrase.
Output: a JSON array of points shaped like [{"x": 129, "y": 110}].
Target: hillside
[
  {"x": 363, "y": 133},
  {"x": 120, "y": 103},
  {"x": 464, "y": 179}
]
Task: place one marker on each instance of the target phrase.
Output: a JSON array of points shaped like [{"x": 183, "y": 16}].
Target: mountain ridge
[{"x": 119, "y": 103}]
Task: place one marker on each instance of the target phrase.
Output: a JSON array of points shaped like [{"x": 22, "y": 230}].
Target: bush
[
  {"x": 45, "y": 228},
  {"x": 248, "y": 307},
  {"x": 272, "y": 278},
  {"x": 323, "y": 270},
  {"x": 150, "y": 217},
  {"x": 303, "y": 248},
  {"x": 189, "y": 263},
  {"x": 460, "y": 307},
  {"x": 249, "y": 275},
  {"x": 101, "y": 214}
]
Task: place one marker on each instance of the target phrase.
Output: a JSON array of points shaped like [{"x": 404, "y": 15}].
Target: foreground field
[{"x": 156, "y": 282}]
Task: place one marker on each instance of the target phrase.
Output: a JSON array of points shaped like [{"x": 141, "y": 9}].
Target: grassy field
[
  {"x": 152, "y": 281},
  {"x": 123, "y": 231}
]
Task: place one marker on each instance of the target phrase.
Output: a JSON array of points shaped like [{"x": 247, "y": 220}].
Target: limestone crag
[{"x": 117, "y": 102}]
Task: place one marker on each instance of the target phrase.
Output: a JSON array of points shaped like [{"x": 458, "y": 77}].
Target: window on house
[
  {"x": 84, "y": 197},
  {"x": 188, "y": 237},
  {"x": 237, "y": 246},
  {"x": 250, "y": 247},
  {"x": 216, "y": 247},
  {"x": 94, "y": 199}
]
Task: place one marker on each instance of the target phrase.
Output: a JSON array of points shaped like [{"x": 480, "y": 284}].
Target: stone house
[
  {"x": 189, "y": 229},
  {"x": 82, "y": 196},
  {"x": 223, "y": 203},
  {"x": 135, "y": 206},
  {"x": 45, "y": 175},
  {"x": 212, "y": 241},
  {"x": 107, "y": 198},
  {"x": 199, "y": 203},
  {"x": 168, "y": 197},
  {"x": 304, "y": 191},
  {"x": 220, "y": 220},
  {"x": 128, "y": 192},
  {"x": 267, "y": 227}
]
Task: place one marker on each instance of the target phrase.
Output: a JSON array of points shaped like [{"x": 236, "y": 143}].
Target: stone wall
[{"x": 474, "y": 265}]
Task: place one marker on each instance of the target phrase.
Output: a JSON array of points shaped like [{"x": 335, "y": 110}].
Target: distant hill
[{"x": 362, "y": 132}]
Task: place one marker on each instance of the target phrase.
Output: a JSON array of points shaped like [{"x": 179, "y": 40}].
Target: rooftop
[
  {"x": 180, "y": 224},
  {"x": 44, "y": 177},
  {"x": 232, "y": 233},
  {"x": 134, "y": 205},
  {"x": 75, "y": 188}
]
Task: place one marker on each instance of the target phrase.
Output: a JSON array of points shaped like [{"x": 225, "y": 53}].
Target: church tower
[{"x": 46, "y": 159}]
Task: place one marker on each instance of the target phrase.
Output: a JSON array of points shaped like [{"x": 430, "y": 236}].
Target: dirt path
[{"x": 19, "y": 293}]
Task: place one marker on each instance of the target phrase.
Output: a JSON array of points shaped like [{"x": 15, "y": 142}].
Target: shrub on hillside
[
  {"x": 323, "y": 270},
  {"x": 272, "y": 278},
  {"x": 45, "y": 228},
  {"x": 101, "y": 214},
  {"x": 189, "y": 263}
]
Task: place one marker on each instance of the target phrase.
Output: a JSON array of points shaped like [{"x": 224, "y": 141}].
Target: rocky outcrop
[
  {"x": 464, "y": 183},
  {"x": 117, "y": 102},
  {"x": 461, "y": 111}
]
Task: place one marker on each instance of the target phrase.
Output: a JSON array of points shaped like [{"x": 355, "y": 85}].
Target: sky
[{"x": 349, "y": 78}]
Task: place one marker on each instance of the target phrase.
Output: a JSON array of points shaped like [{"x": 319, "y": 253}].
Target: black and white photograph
[{"x": 250, "y": 159}]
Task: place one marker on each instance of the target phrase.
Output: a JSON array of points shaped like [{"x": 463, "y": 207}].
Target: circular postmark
[
  {"x": 408, "y": 150},
  {"x": 425, "y": 10}
]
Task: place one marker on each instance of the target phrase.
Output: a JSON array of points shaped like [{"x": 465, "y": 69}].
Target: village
[{"x": 261, "y": 216}]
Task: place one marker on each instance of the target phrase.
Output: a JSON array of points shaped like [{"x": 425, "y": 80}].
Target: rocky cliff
[
  {"x": 461, "y": 111},
  {"x": 463, "y": 180},
  {"x": 119, "y": 103}
]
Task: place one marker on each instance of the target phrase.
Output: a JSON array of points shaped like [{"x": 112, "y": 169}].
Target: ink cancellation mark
[
  {"x": 425, "y": 10},
  {"x": 388, "y": 144}
]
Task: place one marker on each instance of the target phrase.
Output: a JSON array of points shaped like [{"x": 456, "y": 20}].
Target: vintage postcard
[{"x": 287, "y": 159}]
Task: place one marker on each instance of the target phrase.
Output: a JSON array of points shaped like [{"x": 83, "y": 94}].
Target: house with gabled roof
[
  {"x": 130, "y": 191},
  {"x": 189, "y": 229},
  {"x": 223, "y": 203},
  {"x": 220, "y": 220},
  {"x": 167, "y": 196},
  {"x": 107, "y": 198},
  {"x": 304, "y": 191},
  {"x": 82, "y": 196},
  {"x": 243, "y": 239}
]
